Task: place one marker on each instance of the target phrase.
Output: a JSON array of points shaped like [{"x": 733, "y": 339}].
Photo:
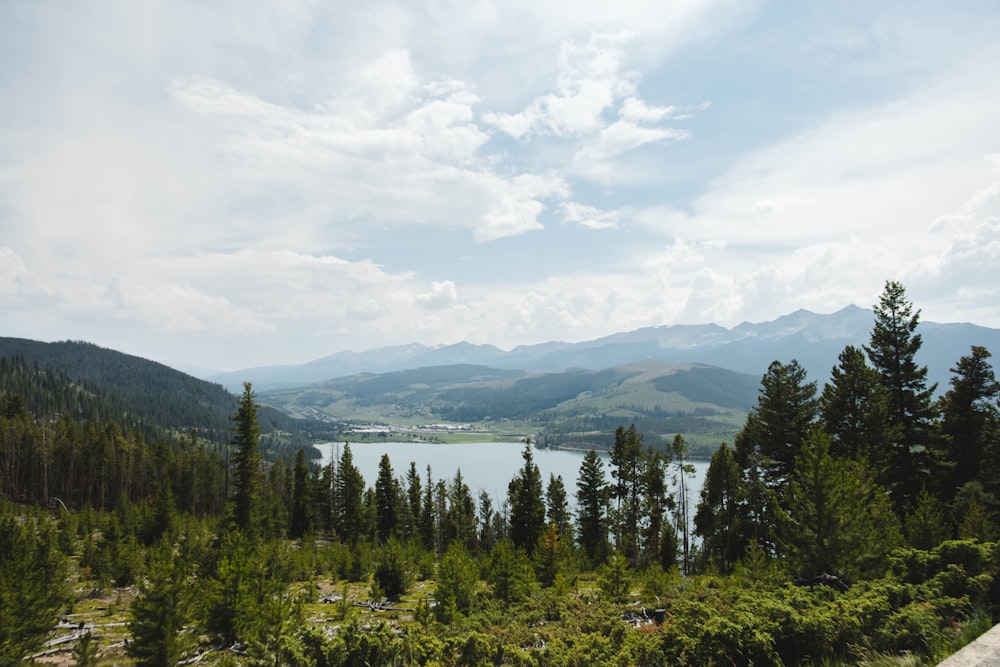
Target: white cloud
[
  {"x": 415, "y": 159},
  {"x": 636, "y": 111},
  {"x": 589, "y": 82},
  {"x": 597, "y": 160},
  {"x": 884, "y": 173},
  {"x": 589, "y": 216},
  {"x": 441, "y": 295},
  {"x": 591, "y": 85}
]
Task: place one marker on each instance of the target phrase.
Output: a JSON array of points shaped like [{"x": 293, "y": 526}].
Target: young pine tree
[
  {"x": 834, "y": 518},
  {"x": 160, "y": 610},
  {"x": 557, "y": 507},
  {"x": 32, "y": 586}
]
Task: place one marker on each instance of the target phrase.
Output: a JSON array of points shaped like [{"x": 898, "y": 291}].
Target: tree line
[{"x": 834, "y": 479}]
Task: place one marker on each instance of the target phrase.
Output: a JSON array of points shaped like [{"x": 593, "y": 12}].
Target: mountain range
[{"x": 815, "y": 340}]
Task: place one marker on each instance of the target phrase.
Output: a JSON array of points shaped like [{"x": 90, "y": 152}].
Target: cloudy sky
[{"x": 232, "y": 184}]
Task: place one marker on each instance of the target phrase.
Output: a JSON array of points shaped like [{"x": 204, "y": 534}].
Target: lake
[{"x": 485, "y": 466}]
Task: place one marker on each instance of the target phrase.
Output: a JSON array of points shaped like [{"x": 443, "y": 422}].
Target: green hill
[{"x": 576, "y": 408}]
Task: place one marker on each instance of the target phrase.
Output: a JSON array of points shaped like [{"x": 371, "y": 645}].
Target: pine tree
[
  {"x": 834, "y": 518},
  {"x": 160, "y": 611},
  {"x": 387, "y": 500},
  {"x": 487, "y": 534},
  {"x": 591, "y": 500},
  {"x": 552, "y": 557},
  {"x": 301, "y": 515},
  {"x": 246, "y": 434},
  {"x": 627, "y": 465},
  {"x": 460, "y": 519},
  {"x": 322, "y": 487},
  {"x": 350, "y": 491},
  {"x": 428, "y": 518},
  {"x": 969, "y": 417},
  {"x": 777, "y": 425},
  {"x": 616, "y": 578},
  {"x": 716, "y": 520},
  {"x": 510, "y": 573},
  {"x": 684, "y": 470},
  {"x": 557, "y": 509},
  {"x": 854, "y": 410},
  {"x": 413, "y": 494},
  {"x": 892, "y": 350},
  {"x": 926, "y": 525},
  {"x": 392, "y": 570},
  {"x": 32, "y": 586},
  {"x": 527, "y": 510},
  {"x": 656, "y": 502},
  {"x": 456, "y": 583}
]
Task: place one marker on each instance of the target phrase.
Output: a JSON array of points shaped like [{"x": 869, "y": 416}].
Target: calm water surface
[{"x": 485, "y": 466}]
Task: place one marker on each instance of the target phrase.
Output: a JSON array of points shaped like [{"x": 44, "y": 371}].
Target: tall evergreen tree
[
  {"x": 387, "y": 500},
  {"x": 350, "y": 491},
  {"x": 246, "y": 434},
  {"x": 527, "y": 510},
  {"x": 683, "y": 470},
  {"x": 656, "y": 502},
  {"x": 488, "y": 537},
  {"x": 460, "y": 520},
  {"x": 428, "y": 519},
  {"x": 969, "y": 419},
  {"x": 777, "y": 425},
  {"x": 716, "y": 520},
  {"x": 322, "y": 487},
  {"x": 627, "y": 465},
  {"x": 300, "y": 521},
  {"x": 557, "y": 507},
  {"x": 854, "y": 410},
  {"x": 591, "y": 501},
  {"x": 892, "y": 350},
  {"x": 413, "y": 496}
]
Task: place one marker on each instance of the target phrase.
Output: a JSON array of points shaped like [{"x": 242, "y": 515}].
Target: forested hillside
[
  {"x": 849, "y": 524},
  {"x": 90, "y": 382}
]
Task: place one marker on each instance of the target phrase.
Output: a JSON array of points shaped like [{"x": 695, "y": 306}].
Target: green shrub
[{"x": 914, "y": 628}]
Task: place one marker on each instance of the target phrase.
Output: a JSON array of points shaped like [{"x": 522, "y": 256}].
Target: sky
[{"x": 236, "y": 183}]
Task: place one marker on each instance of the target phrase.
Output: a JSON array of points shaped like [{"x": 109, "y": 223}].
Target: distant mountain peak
[{"x": 814, "y": 339}]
